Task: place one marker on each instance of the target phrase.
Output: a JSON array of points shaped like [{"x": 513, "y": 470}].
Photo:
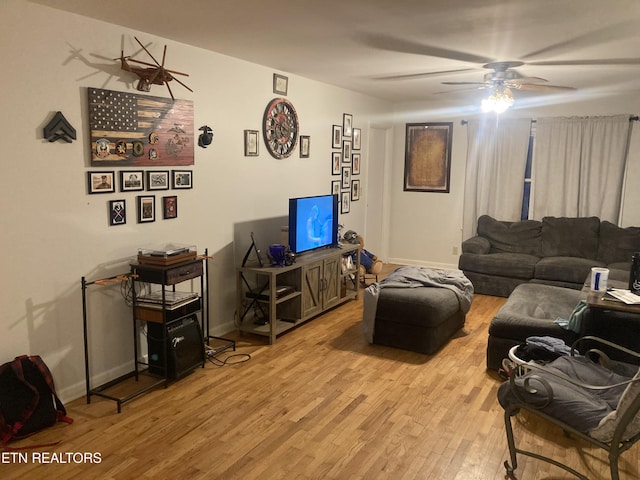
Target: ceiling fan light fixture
[{"x": 499, "y": 101}]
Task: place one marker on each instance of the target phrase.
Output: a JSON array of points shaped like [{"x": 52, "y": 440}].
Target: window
[{"x": 526, "y": 195}]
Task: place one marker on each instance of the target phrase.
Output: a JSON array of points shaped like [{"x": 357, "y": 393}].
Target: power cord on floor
[
  {"x": 212, "y": 356},
  {"x": 237, "y": 358}
]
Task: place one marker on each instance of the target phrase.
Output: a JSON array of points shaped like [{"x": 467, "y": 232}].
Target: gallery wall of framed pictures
[
  {"x": 106, "y": 181},
  {"x": 346, "y": 161}
]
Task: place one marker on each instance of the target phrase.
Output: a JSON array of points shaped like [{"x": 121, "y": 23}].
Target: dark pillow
[
  {"x": 512, "y": 237},
  {"x": 617, "y": 244},
  {"x": 570, "y": 237}
]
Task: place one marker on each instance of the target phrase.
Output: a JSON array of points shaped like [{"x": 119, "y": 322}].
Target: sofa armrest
[{"x": 476, "y": 244}]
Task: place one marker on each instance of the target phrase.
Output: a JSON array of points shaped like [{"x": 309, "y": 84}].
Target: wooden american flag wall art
[{"x": 128, "y": 129}]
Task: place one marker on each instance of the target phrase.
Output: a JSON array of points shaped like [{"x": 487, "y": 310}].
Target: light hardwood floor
[{"x": 320, "y": 403}]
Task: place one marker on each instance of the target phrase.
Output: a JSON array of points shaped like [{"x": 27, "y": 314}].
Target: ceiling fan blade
[
  {"x": 528, "y": 80},
  {"x": 458, "y": 90},
  {"x": 541, "y": 88},
  {"x": 394, "y": 44},
  {"x": 181, "y": 83},
  {"x": 595, "y": 62},
  {"x": 411, "y": 76},
  {"x": 588, "y": 39},
  {"x": 466, "y": 83}
]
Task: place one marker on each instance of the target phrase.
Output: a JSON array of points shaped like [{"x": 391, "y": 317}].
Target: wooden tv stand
[{"x": 317, "y": 281}]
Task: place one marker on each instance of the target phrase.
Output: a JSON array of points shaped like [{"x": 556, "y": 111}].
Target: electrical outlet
[{"x": 454, "y": 251}]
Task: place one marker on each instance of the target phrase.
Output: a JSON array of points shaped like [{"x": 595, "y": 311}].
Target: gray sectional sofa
[
  {"x": 544, "y": 268},
  {"x": 556, "y": 251}
]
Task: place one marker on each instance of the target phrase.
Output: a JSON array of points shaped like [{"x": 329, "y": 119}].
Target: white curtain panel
[
  {"x": 579, "y": 165},
  {"x": 496, "y": 160}
]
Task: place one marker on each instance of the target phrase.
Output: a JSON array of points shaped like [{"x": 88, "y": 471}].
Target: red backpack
[{"x": 28, "y": 399}]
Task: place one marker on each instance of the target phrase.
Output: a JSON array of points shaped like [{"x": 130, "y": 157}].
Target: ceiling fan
[
  {"x": 504, "y": 76},
  {"x": 502, "y": 80}
]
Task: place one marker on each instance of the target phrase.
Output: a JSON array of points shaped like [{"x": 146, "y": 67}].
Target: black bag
[{"x": 28, "y": 399}]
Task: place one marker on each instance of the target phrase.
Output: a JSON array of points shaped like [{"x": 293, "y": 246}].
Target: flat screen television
[{"x": 313, "y": 222}]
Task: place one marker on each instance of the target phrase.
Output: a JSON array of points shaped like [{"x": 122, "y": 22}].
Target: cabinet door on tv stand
[
  {"x": 312, "y": 289},
  {"x": 331, "y": 282}
]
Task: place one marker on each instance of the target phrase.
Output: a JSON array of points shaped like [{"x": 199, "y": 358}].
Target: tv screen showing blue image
[{"x": 313, "y": 222}]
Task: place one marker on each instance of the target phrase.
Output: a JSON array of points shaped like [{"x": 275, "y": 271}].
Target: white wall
[{"x": 54, "y": 233}]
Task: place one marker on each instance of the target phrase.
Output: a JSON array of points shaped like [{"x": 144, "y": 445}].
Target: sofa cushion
[
  {"x": 512, "y": 237},
  {"x": 570, "y": 237},
  {"x": 617, "y": 244},
  {"x": 516, "y": 265},
  {"x": 565, "y": 269}
]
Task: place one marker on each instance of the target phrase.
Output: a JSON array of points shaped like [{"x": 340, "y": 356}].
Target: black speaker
[{"x": 184, "y": 348}]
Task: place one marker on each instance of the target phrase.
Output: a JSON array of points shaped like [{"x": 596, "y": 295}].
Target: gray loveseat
[{"x": 557, "y": 251}]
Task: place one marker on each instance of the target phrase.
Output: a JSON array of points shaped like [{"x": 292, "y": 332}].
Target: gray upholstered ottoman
[
  {"x": 417, "y": 309},
  {"x": 530, "y": 311}
]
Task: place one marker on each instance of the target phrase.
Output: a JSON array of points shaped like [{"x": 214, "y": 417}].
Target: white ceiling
[{"x": 593, "y": 45}]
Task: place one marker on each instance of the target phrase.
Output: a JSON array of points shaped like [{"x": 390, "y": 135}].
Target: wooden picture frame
[
  {"x": 335, "y": 187},
  {"x": 355, "y": 190},
  {"x": 347, "y": 125},
  {"x": 336, "y": 160},
  {"x": 170, "y": 207},
  {"x": 280, "y": 84},
  {"x": 117, "y": 212},
  {"x": 356, "y": 160},
  {"x": 305, "y": 146},
  {"x": 101, "y": 182},
  {"x": 336, "y": 136},
  {"x": 131, "y": 180},
  {"x": 158, "y": 180},
  {"x": 182, "y": 179},
  {"x": 146, "y": 208},
  {"x": 427, "y": 161},
  {"x": 357, "y": 139},
  {"x": 251, "y": 141}
]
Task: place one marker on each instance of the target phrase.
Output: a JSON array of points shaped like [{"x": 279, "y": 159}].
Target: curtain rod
[{"x": 632, "y": 118}]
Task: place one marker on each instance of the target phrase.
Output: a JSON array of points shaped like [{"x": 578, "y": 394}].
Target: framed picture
[
  {"x": 357, "y": 138},
  {"x": 347, "y": 125},
  {"x": 170, "y": 207},
  {"x": 355, "y": 190},
  {"x": 345, "y": 203},
  {"x": 182, "y": 178},
  {"x": 346, "y": 177},
  {"x": 336, "y": 158},
  {"x": 131, "y": 180},
  {"x": 101, "y": 182},
  {"x": 355, "y": 164},
  {"x": 335, "y": 187},
  {"x": 427, "y": 159},
  {"x": 158, "y": 180},
  {"x": 117, "y": 212},
  {"x": 346, "y": 151},
  {"x": 280, "y": 84},
  {"x": 305, "y": 146},
  {"x": 336, "y": 136},
  {"x": 251, "y": 143},
  {"x": 146, "y": 208}
]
